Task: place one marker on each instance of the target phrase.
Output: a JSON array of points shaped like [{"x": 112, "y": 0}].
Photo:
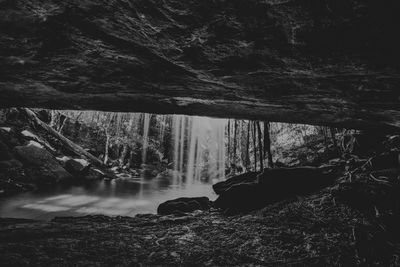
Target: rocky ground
[
  {"x": 312, "y": 231},
  {"x": 350, "y": 223}
]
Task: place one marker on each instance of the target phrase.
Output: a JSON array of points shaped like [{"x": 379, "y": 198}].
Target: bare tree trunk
[
  {"x": 333, "y": 135},
  {"x": 260, "y": 146},
  {"x": 254, "y": 146},
  {"x": 234, "y": 142},
  {"x": 65, "y": 118},
  {"x": 325, "y": 130},
  {"x": 130, "y": 159},
  {"x": 79, "y": 115},
  {"x": 248, "y": 146},
  {"x": 123, "y": 154},
  {"x": 229, "y": 142},
  {"x": 57, "y": 120},
  {"x": 107, "y": 147},
  {"x": 267, "y": 144},
  {"x": 54, "y": 118}
]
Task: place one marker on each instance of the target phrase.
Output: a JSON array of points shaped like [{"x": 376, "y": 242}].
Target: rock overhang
[{"x": 317, "y": 62}]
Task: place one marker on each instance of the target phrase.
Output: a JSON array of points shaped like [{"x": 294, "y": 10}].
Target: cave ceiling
[{"x": 330, "y": 62}]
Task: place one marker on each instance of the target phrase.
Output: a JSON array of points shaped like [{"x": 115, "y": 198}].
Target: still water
[{"x": 119, "y": 197}]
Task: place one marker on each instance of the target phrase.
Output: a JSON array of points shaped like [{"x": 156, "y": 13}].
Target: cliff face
[{"x": 310, "y": 61}]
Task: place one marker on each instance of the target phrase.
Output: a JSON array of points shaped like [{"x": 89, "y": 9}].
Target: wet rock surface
[{"x": 325, "y": 62}]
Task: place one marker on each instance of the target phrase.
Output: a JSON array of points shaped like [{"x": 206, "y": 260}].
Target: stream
[{"x": 119, "y": 197}]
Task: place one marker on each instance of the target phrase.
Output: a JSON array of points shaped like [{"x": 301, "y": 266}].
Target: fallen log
[{"x": 69, "y": 145}]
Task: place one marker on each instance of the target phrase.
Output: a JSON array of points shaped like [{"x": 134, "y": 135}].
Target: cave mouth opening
[{"x": 150, "y": 158}]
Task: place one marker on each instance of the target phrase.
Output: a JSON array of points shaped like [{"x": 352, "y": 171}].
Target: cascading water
[
  {"x": 198, "y": 142},
  {"x": 204, "y": 140},
  {"x": 146, "y": 127},
  {"x": 163, "y": 126},
  {"x": 178, "y": 129}
]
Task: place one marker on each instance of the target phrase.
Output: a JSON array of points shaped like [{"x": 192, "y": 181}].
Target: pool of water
[{"x": 119, "y": 197}]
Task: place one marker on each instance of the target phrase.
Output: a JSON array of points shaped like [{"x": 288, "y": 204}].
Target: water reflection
[{"x": 122, "y": 196}]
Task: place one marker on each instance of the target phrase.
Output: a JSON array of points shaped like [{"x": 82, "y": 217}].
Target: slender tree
[
  {"x": 333, "y": 135},
  {"x": 254, "y": 146},
  {"x": 267, "y": 144},
  {"x": 234, "y": 142},
  {"x": 248, "y": 147},
  {"x": 124, "y": 153},
  {"x": 229, "y": 142},
  {"x": 107, "y": 145},
  {"x": 260, "y": 146}
]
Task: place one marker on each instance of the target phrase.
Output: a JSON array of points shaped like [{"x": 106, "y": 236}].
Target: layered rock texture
[{"x": 317, "y": 61}]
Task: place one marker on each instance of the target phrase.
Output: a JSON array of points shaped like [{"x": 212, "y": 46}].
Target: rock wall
[{"x": 317, "y": 61}]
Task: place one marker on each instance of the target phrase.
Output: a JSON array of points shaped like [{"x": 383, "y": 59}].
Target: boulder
[
  {"x": 94, "y": 174},
  {"x": 99, "y": 173},
  {"x": 42, "y": 163},
  {"x": 242, "y": 178},
  {"x": 34, "y": 138},
  {"x": 290, "y": 181},
  {"x": 6, "y": 129},
  {"x": 9, "y": 164},
  {"x": 29, "y": 135},
  {"x": 116, "y": 169},
  {"x": 77, "y": 167},
  {"x": 8, "y": 137},
  {"x": 124, "y": 175},
  {"x": 63, "y": 160},
  {"x": 271, "y": 186},
  {"x": 184, "y": 204},
  {"x": 5, "y": 153},
  {"x": 34, "y": 143},
  {"x": 243, "y": 197}
]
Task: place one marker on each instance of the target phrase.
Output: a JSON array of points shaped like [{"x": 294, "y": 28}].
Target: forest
[{"x": 215, "y": 147}]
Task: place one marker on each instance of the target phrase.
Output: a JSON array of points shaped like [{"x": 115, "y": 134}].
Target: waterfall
[
  {"x": 146, "y": 127},
  {"x": 163, "y": 126},
  {"x": 182, "y": 142},
  {"x": 178, "y": 126},
  {"x": 198, "y": 143},
  {"x": 199, "y": 147}
]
